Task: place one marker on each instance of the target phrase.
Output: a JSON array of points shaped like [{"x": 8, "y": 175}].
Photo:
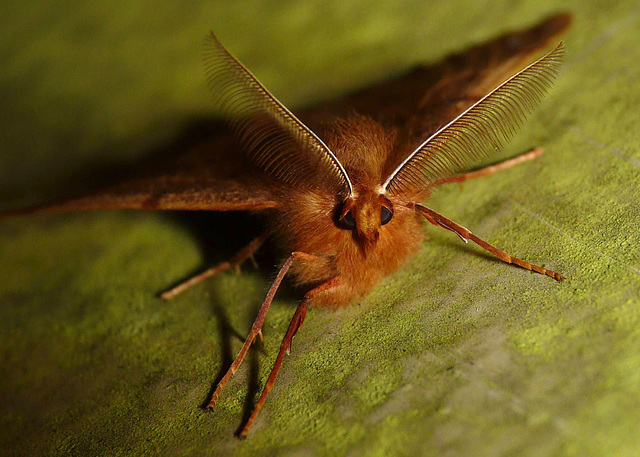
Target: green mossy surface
[{"x": 455, "y": 355}]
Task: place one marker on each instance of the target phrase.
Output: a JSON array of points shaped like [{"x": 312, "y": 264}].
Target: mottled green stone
[{"x": 455, "y": 355}]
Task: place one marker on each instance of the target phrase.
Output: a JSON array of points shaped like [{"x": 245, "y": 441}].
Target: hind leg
[{"x": 489, "y": 170}]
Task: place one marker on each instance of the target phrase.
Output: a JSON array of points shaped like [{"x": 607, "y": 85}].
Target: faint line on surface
[
  {"x": 549, "y": 224},
  {"x": 605, "y": 35},
  {"x": 615, "y": 151}
]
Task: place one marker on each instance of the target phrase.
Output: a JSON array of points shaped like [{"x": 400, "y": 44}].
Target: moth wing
[
  {"x": 425, "y": 99},
  {"x": 214, "y": 176}
]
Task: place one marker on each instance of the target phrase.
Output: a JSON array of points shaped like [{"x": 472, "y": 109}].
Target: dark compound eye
[
  {"x": 385, "y": 215},
  {"x": 348, "y": 221}
]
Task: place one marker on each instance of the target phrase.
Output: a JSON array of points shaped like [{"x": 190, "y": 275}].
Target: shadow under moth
[{"x": 342, "y": 186}]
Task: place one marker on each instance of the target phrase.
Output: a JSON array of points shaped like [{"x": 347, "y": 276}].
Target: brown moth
[{"x": 344, "y": 190}]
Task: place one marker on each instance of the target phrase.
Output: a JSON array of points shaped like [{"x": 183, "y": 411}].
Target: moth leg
[
  {"x": 235, "y": 261},
  {"x": 285, "y": 347},
  {"x": 256, "y": 328},
  {"x": 529, "y": 155},
  {"x": 464, "y": 235}
]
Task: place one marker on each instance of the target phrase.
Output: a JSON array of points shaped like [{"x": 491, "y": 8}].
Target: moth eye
[
  {"x": 385, "y": 215},
  {"x": 348, "y": 221}
]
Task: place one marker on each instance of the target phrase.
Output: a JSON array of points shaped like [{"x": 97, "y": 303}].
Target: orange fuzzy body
[{"x": 308, "y": 220}]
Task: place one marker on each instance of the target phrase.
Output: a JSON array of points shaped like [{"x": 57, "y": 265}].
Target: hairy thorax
[
  {"x": 310, "y": 220},
  {"x": 308, "y": 223}
]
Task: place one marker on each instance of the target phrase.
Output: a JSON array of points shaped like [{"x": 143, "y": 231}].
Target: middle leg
[{"x": 235, "y": 261}]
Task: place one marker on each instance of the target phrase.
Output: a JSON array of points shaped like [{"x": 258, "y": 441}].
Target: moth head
[{"x": 364, "y": 214}]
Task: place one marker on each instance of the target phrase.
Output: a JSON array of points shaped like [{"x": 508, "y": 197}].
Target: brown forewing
[{"x": 213, "y": 175}]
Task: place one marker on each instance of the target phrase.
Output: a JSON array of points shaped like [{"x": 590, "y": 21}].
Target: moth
[{"x": 343, "y": 186}]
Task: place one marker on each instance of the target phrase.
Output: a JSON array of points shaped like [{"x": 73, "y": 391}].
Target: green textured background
[{"x": 455, "y": 355}]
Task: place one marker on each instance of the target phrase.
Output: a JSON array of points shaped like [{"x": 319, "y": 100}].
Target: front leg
[
  {"x": 256, "y": 328},
  {"x": 464, "y": 235},
  {"x": 285, "y": 348}
]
